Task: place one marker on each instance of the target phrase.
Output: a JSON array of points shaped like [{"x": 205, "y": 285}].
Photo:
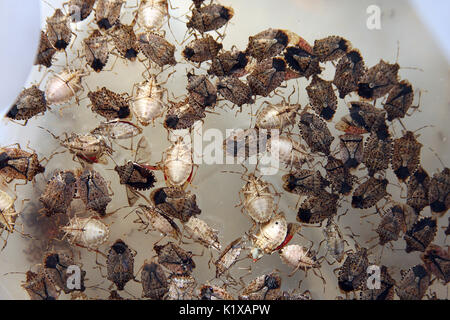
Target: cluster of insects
[{"x": 76, "y": 202}]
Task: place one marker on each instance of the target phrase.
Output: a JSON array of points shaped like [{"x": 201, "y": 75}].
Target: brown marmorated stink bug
[
  {"x": 183, "y": 115},
  {"x": 243, "y": 144},
  {"x": 368, "y": 193},
  {"x": 331, "y": 48},
  {"x": 151, "y": 14},
  {"x": 39, "y": 287},
  {"x": 59, "y": 192},
  {"x": 418, "y": 186},
  {"x": 384, "y": 292},
  {"x": 157, "y": 49},
  {"x": 437, "y": 261},
  {"x": 405, "y": 156},
  {"x": 125, "y": 41},
  {"x": 154, "y": 281},
  {"x": 79, "y": 10},
  {"x": 198, "y": 230},
  {"x": 212, "y": 292},
  {"x": 175, "y": 202},
  {"x": 117, "y": 129},
  {"x": 210, "y": 17},
  {"x": 269, "y": 237},
  {"x": 377, "y": 154},
  {"x": 174, "y": 258},
  {"x": 322, "y": 97},
  {"x": 45, "y": 52},
  {"x": 109, "y": 104},
  {"x": 276, "y": 116},
  {"x": 399, "y": 100},
  {"x": 269, "y": 43},
  {"x": 301, "y": 59},
  {"x": 298, "y": 257},
  {"x": 335, "y": 242},
  {"x": 371, "y": 119},
  {"x": 63, "y": 86},
  {"x": 58, "y": 30},
  {"x": 228, "y": 257},
  {"x": 439, "y": 193},
  {"x": 317, "y": 208},
  {"x": 181, "y": 287},
  {"x": 202, "y": 49},
  {"x": 264, "y": 287},
  {"x": 120, "y": 264},
  {"x": 339, "y": 176},
  {"x": 414, "y": 283},
  {"x": 30, "y": 102},
  {"x": 234, "y": 90},
  {"x": 8, "y": 214},
  {"x": 228, "y": 63},
  {"x": 304, "y": 182},
  {"x": 378, "y": 80},
  {"x": 291, "y": 153},
  {"x": 349, "y": 71},
  {"x": 351, "y": 150},
  {"x": 93, "y": 191},
  {"x": 107, "y": 13},
  {"x": 96, "y": 50},
  {"x": 420, "y": 235},
  {"x": 55, "y": 268},
  {"x": 315, "y": 132},
  {"x": 397, "y": 219},
  {"x": 86, "y": 232},
  {"x": 16, "y": 163},
  {"x": 157, "y": 220},
  {"x": 202, "y": 92},
  {"x": 352, "y": 274},
  {"x": 266, "y": 76},
  {"x": 147, "y": 104}
]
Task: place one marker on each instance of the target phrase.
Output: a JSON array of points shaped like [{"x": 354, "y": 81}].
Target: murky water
[{"x": 217, "y": 192}]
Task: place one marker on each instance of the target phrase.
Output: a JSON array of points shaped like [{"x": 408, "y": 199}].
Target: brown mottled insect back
[
  {"x": 59, "y": 193},
  {"x": 367, "y": 194},
  {"x": 86, "y": 232},
  {"x": 154, "y": 281},
  {"x": 147, "y": 103},
  {"x": 39, "y": 287},
  {"x": 331, "y": 48},
  {"x": 125, "y": 41},
  {"x": 96, "y": 50},
  {"x": 228, "y": 257},
  {"x": 202, "y": 49},
  {"x": 202, "y": 92},
  {"x": 8, "y": 214},
  {"x": 269, "y": 237},
  {"x": 377, "y": 154},
  {"x": 269, "y": 43},
  {"x": 199, "y": 230},
  {"x": 109, "y": 104},
  {"x": 120, "y": 264},
  {"x": 210, "y": 17},
  {"x": 371, "y": 119},
  {"x": 79, "y": 10},
  {"x": 63, "y": 86},
  {"x": 174, "y": 258},
  {"x": 107, "y": 13},
  {"x": 298, "y": 257},
  {"x": 399, "y": 100},
  {"x": 55, "y": 268},
  {"x": 335, "y": 241},
  {"x": 291, "y": 153},
  {"x": 117, "y": 129},
  {"x": 183, "y": 115},
  {"x": 378, "y": 80},
  {"x": 349, "y": 126},
  {"x": 157, "y": 220},
  {"x": 175, "y": 202},
  {"x": 264, "y": 287},
  {"x": 352, "y": 274},
  {"x": 420, "y": 235},
  {"x": 157, "y": 49},
  {"x": 212, "y": 292},
  {"x": 351, "y": 150},
  {"x": 391, "y": 225},
  {"x": 151, "y": 14},
  {"x": 385, "y": 291},
  {"x": 181, "y": 287},
  {"x": 349, "y": 71},
  {"x": 414, "y": 283},
  {"x": 315, "y": 132},
  {"x": 58, "y": 30},
  {"x": 266, "y": 76},
  {"x": 234, "y": 90},
  {"x": 439, "y": 193},
  {"x": 243, "y": 144},
  {"x": 93, "y": 191},
  {"x": 45, "y": 52},
  {"x": 229, "y": 63},
  {"x": 301, "y": 59},
  {"x": 305, "y": 182},
  {"x": 437, "y": 261},
  {"x": 322, "y": 98},
  {"x": 339, "y": 176},
  {"x": 317, "y": 208},
  {"x": 16, "y": 163},
  {"x": 405, "y": 156}
]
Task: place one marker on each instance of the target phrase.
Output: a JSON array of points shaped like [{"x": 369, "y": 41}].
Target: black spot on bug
[
  {"x": 3, "y": 159},
  {"x": 419, "y": 271},
  {"x": 104, "y": 24},
  {"x": 52, "y": 261},
  {"x": 61, "y": 44},
  {"x": 354, "y": 56},
  {"x": 402, "y": 173},
  {"x": 279, "y": 64},
  {"x": 382, "y": 132},
  {"x": 225, "y": 13},
  {"x": 69, "y": 178},
  {"x": 119, "y": 247},
  {"x": 124, "y": 112},
  {"x": 172, "y": 121},
  {"x": 438, "y": 206},
  {"x": 351, "y": 163},
  {"x": 343, "y": 45},
  {"x": 210, "y": 100},
  {"x": 271, "y": 282},
  {"x": 327, "y": 113},
  {"x": 282, "y": 38},
  {"x": 131, "y": 54},
  {"x": 291, "y": 61},
  {"x": 304, "y": 215},
  {"x": 188, "y": 52},
  {"x": 12, "y": 113},
  {"x": 365, "y": 90},
  {"x": 159, "y": 197},
  {"x": 345, "y": 188},
  {"x": 292, "y": 183},
  {"x": 357, "y": 202},
  {"x": 420, "y": 176},
  {"x": 97, "y": 65},
  {"x": 346, "y": 285}
]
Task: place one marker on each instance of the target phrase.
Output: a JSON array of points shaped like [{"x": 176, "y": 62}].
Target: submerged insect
[
  {"x": 58, "y": 30},
  {"x": 399, "y": 100},
  {"x": 266, "y": 76},
  {"x": 297, "y": 257},
  {"x": 351, "y": 150},
  {"x": 200, "y": 231},
  {"x": 414, "y": 283},
  {"x": 56, "y": 269},
  {"x": 420, "y": 235},
  {"x": 177, "y": 163},
  {"x": 228, "y": 63},
  {"x": 439, "y": 192},
  {"x": 437, "y": 261},
  {"x": 154, "y": 281},
  {"x": 276, "y": 116},
  {"x": 386, "y": 289},
  {"x": 151, "y": 14},
  {"x": 59, "y": 193},
  {"x": 96, "y": 50},
  {"x": 269, "y": 43},
  {"x": 16, "y": 163},
  {"x": 183, "y": 115},
  {"x": 147, "y": 104},
  {"x": 331, "y": 48},
  {"x": 174, "y": 258},
  {"x": 301, "y": 59},
  {"x": 157, "y": 49},
  {"x": 378, "y": 80},
  {"x": 243, "y": 144},
  {"x": 8, "y": 214},
  {"x": 45, "y": 52},
  {"x": 158, "y": 220},
  {"x": 317, "y": 208},
  {"x": 335, "y": 241},
  {"x": 175, "y": 202},
  {"x": 125, "y": 41},
  {"x": 209, "y": 17},
  {"x": 405, "y": 156},
  {"x": 202, "y": 93},
  {"x": 353, "y": 273},
  {"x": 349, "y": 71},
  {"x": 291, "y": 153},
  {"x": 109, "y": 104},
  {"x": 117, "y": 129},
  {"x": 315, "y": 132},
  {"x": 264, "y": 287},
  {"x": 87, "y": 232},
  {"x": 367, "y": 194},
  {"x": 39, "y": 287},
  {"x": 322, "y": 97},
  {"x": 234, "y": 90},
  {"x": 270, "y": 236},
  {"x": 93, "y": 191},
  {"x": 30, "y": 102},
  {"x": 304, "y": 182},
  {"x": 120, "y": 264},
  {"x": 228, "y": 257},
  {"x": 181, "y": 287},
  {"x": 79, "y": 10},
  {"x": 377, "y": 154},
  {"x": 63, "y": 86},
  {"x": 201, "y": 49},
  {"x": 107, "y": 13},
  {"x": 339, "y": 176},
  {"x": 212, "y": 292}
]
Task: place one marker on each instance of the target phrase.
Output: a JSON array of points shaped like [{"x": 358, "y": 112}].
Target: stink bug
[
  {"x": 339, "y": 176},
  {"x": 59, "y": 192},
  {"x": 147, "y": 104},
  {"x": 202, "y": 49},
  {"x": 181, "y": 287},
  {"x": 228, "y": 63},
  {"x": 96, "y": 50},
  {"x": 63, "y": 86},
  {"x": 353, "y": 273},
  {"x": 55, "y": 268},
  {"x": 349, "y": 71},
  {"x": 93, "y": 191},
  {"x": 86, "y": 232},
  {"x": 155, "y": 219},
  {"x": 264, "y": 287},
  {"x": 151, "y": 14},
  {"x": 120, "y": 264},
  {"x": 125, "y": 41},
  {"x": 183, "y": 115},
  {"x": 175, "y": 202},
  {"x": 331, "y": 48},
  {"x": 335, "y": 241},
  {"x": 384, "y": 292},
  {"x": 235, "y": 90},
  {"x": 211, "y": 292},
  {"x": 157, "y": 49},
  {"x": 39, "y": 287},
  {"x": 199, "y": 230},
  {"x": 417, "y": 187},
  {"x": 405, "y": 156},
  {"x": 109, "y": 104},
  {"x": 29, "y": 103},
  {"x": 16, "y": 163},
  {"x": 439, "y": 193},
  {"x": 315, "y": 132},
  {"x": 399, "y": 100},
  {"x": 367, "y": 194},
  {"x": 202, "y": 92},
  {"x": 420, "y": 235},
  {"x": 79, "y": 10},
  {"x": 107, "y": 13},
  {"x": 210, "y": 17},
  {"x": 269, "y": 43},
  {"x": 304, "y": 182},
  {"x": 301, "y": 59},
  {"x": 174, "y": 258},
  {"x": 437, "y": 261},
  {"x": 351, "y": 150},
  {"x": 58, "y": 30},
  {"x": 270, "y": 236},
  {"x": 378, "y": 80},
  {"x": 414, "y": 283},
  {"x": 228, "y": 257},
  {"x": 45, "y": 52},
  {"x": 154, "y": 281},
  {"x": 322, "y": 97},
  {"x": 377, "y": 154},
  {"x": 266, "y": 76},
  {"x": 317, "y": 208}
]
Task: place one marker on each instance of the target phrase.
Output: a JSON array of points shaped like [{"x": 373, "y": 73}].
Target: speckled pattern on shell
[
  {"x": 183, "y": 115},
  {"x": 436, "y": 260},
  {"x": 414, "y": 283},
  {"x": 353, "y": 273},
  {"x": 266, "y": 76},
  {"x": 93, "y": 191},
  {"x": 349, "y": 72},
  {"x": 420, "y": 235},
  {"x": 59, "y": 192},
  {"x": 39, "y": 287},
  {"x": 109, "y": 104},
  {"x": 174, "y": 258},
  {"x": 331, "y": 48},
  {"x": 317, "y": 208},
  {"x": 386, "y": 290},
  {"x": 120, "y": 264},
  {"x": 235, "y": 91},
  {"x": 368, "y": 193},
  {"x": 107, "y": 13},
  {"x": 210, "y": 17},
  {"x": 30, "y": 102},
  {"x": 55, "y": 267},
  {"x": 228, "y": 63},
  {"x": 58, "y": 30},
  {"x": 96, "y": 50},
  {"x": 405, "y": 156},
  {"x": 157, "y": 49},
  {"x": 399, "y": 100},
  {"x": 378, "y": 80},
  {"x": 315, "y": 132},
  {"x": 175, "y": 202},
  {"x": 304, "y": 182},
  {"x": 79, "y": 10},
  {"x": 181, "y": 288},
  {"x": 154, "y": 281},
  {"x": 351, "y": 148},
  {"x": 417, "y": 188},
  {"x": 267, "y": 43},
  {"x": 264, "y": 287},
  {"x": 201, "y": 91},
  {"x": 200, "y": 231},
  {"x": 125, "y": 41},
  {"x": 322, "y": 98},
  {"x": 228, "y": 257},
  {"x": 16, "y": 163},
  {"x": 439, "y": 193},
  {"x": 339, "y": 176},
  {"x": 377, "y": 154},
  {"x": 45, "y": 52},
  {"x": 212, "y": 292},
  {"x": 202, "y": 49}
]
